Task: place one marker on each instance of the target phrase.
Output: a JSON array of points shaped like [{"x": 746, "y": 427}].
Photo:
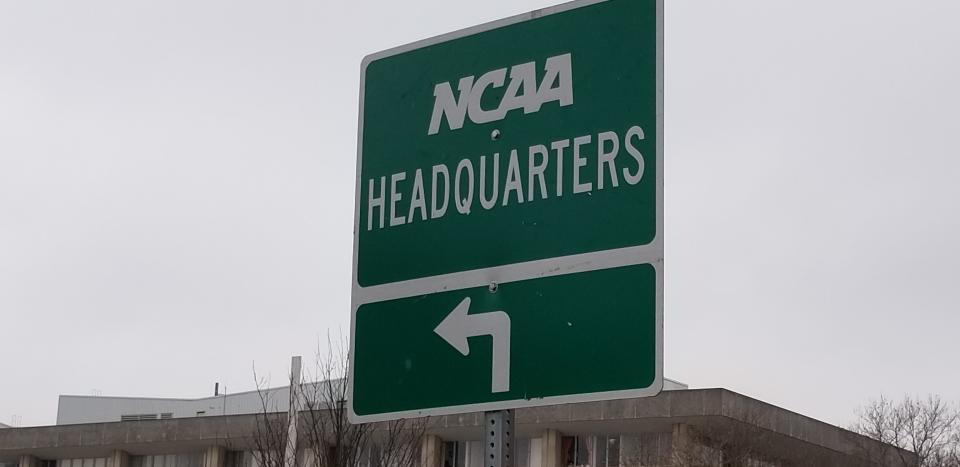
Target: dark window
[
  {"x": 238, "y": 459},
  {"x": 608, "y": 451},
  {"x": 575, "y": 451},
  {"x": 454, "y": 454}
]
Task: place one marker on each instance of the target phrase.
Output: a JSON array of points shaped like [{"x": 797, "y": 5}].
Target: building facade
[
  {"x": 73, "y": 410},
  {"x": 709, "y": 427}
]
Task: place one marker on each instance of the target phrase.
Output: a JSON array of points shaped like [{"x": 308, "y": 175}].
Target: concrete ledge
[
  {"x": 142, "y": 437},
  {"x": 709, "y": 410}
]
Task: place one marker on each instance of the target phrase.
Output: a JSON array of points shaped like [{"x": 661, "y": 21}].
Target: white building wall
[
  {"x": 94, "y": 409},
  {"x": 98, "y": 409}
]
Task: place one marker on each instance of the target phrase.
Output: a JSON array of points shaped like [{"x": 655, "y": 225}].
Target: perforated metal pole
[{"x": 498, "y": 448}]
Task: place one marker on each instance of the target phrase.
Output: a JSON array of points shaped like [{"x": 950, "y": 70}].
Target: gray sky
[{"x": 176, "y": 192}]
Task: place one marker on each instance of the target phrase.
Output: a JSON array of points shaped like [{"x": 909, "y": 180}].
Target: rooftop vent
[{"x": 138, "y": 417}]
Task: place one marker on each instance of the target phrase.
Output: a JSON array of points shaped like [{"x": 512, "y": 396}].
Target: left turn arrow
[{"x": 458, "y": 326}]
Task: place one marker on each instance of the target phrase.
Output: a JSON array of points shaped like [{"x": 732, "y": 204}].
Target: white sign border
[{"x": 651, "y": 253}]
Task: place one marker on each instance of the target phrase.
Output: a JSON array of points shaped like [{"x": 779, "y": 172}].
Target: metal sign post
[{"x": 498, "y": 431}]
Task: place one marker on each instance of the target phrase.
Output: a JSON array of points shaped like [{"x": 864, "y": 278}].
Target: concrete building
[
  {"x": 678, "y": 427},
  {"x": 95, "y": 409}
]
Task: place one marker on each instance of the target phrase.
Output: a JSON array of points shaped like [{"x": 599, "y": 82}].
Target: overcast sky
[{"x": 176, "y": 192}]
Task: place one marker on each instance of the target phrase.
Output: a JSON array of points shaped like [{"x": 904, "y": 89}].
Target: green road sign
[
  {"x": 508, "y": 243},
  {"x": 441, "y": 350}
]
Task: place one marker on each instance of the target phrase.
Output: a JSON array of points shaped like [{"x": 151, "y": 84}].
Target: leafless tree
[
  {"x": 876, "y": 421},
  {"x": 331, "y": 438},
  {"x": 953, "y": 452},
  {"x": 397, "y": 443},
  {"x": 926, "y": 427},
  {"x": 735, "y": 444},
  {"x": 326, "y": 436},
  {"x": 270, "y": 432}
]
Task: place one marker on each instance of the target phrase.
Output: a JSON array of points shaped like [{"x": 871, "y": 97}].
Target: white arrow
[{"x": 458, "y": 326}]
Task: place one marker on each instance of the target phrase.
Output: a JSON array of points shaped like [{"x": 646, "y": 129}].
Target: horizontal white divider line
[{"x": 594, "y": 261}]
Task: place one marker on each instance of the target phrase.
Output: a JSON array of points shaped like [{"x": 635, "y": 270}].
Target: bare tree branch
[
  {"x": 326, "y": 435},
  {"x": 270, "y": 436},
  {"x": 929, "y": 428}
]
